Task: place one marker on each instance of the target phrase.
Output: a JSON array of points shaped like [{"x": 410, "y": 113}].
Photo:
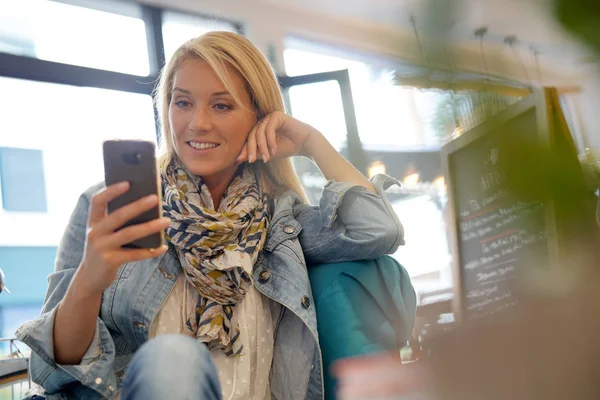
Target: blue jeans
[{"x": 172, "y": 367}]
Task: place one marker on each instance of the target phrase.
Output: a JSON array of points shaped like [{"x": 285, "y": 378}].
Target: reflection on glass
[
  {"x": 179, "y": 28},
  {"x": 69, "y": 125},
  {"x": 81, "y": 36}
]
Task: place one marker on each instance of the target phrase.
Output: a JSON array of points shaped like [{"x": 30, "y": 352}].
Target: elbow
[
  {"x": 385, "y": 238},
  {"x": 391, "y": 236}
]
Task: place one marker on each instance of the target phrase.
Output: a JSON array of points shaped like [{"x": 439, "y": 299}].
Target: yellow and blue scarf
[{"x": 217, "y": 249}]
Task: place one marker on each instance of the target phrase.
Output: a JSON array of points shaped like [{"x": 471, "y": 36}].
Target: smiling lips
[{"x": 203, "y": 145}]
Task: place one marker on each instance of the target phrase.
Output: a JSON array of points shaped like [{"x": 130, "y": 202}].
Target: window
[
  {"x": 70, "y": 34},
  {"x": 398, "y": 132},
  {"x": 68, "y": 124},
  {"x": 387, "y": 114},
  {"x": 179, "y": 28},
  {"x": 71, "y": 89},
  {"x": 320, "y": 105}
]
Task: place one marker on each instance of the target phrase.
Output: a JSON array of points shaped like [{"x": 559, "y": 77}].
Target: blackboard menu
[{"x": 498, "y": 234}]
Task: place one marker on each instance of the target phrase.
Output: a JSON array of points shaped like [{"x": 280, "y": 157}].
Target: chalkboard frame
[{"x": 536, "y": 102}]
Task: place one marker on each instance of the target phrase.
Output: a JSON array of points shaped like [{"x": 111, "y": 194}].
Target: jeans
[{"x": 174, "y": 367}]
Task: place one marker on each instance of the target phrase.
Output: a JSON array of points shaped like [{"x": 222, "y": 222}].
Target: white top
[{"x": 244, "y": 377}]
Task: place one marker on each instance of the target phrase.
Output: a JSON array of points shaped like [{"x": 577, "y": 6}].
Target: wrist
[
  {"x": 311, "y": 143},
  {"x": 83, "y": 288}
]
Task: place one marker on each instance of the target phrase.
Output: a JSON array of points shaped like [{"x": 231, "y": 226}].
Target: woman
[{"x": 224, "y": 310}]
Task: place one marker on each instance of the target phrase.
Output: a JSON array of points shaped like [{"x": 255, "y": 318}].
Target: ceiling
[{"x": 531, "y": 21}]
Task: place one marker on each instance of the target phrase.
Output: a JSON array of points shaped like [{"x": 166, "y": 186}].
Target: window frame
[{"x": 34, "y": 69}]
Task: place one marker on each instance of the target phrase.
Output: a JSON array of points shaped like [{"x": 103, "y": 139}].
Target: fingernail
[
  {"x": 165, "y": 221},
  {"x": 265, "y": 158},
  {"x": 123, "y": 185},
  {"x": 250, "y": 158},
  {"x": 272, "y": 151}
]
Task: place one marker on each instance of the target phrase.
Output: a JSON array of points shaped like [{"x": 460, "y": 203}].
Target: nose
[{"x": 202, "y": 120}]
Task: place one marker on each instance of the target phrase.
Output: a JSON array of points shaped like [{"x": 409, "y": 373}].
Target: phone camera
[{"x": 132, "y": 158}]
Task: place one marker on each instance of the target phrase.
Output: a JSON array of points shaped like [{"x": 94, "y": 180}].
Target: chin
[{"x": 208, "y": 168}]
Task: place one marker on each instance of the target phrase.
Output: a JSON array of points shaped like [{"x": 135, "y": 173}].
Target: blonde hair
[{"x": 224, "y": 51}]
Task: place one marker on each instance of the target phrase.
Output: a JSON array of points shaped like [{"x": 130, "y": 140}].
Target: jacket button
[
  {"x": 264, "y": 276},
  {"x": 305, "y": 301},
  {"x": 288, "y": 229}
]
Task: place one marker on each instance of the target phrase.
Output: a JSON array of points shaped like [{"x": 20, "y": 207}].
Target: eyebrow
[{"x": 178, "y": 89}]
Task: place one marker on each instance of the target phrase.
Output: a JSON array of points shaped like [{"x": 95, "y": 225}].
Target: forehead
[{"x": 197, "y": 76}]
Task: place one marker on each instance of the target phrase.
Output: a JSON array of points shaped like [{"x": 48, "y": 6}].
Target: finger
[
  {"x": 124, "y": 256},
  {"x": 243, "y": 155},
  {"x": 135, "y": 232},
  {"x": 261, "y": 140},
  {"x": 271, "y": 130},
  {"x": 118, "y": 218},
  {"x": 251, "y": 145},
  {"x": 100, "y": 201}
]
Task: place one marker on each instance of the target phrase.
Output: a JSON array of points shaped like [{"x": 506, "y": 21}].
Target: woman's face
[{"x": 209, "y": 127}]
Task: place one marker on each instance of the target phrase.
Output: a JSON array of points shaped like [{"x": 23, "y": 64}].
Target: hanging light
[
  {"x": 411, "y": 180},
  {"x": 411, "y": 176},
  {"x": 376, "y": 167},
  {"x": 440, "y": 181}
]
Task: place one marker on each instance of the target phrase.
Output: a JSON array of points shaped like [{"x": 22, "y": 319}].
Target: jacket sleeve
[
  {"x": 351, "y": 223},
  {"x": 96, "y": 367}
]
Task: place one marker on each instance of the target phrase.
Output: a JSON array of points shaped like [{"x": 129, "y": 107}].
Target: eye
[
  {"x": 222, "y": 106},
  {"x": 183, "y": 103}
]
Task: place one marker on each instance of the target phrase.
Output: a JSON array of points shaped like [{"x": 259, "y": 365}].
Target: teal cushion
[{"x": 362, "y": 307}]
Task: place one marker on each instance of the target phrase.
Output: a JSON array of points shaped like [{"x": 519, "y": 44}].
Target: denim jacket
[{"x": 351, "y": 223}]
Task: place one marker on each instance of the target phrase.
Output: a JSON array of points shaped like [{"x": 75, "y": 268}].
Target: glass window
[
  {"x": 387, "y": 114},
  {"x": 179, "y": 28},
  {"x": 68, "y": 124},
  {"x": 320, "y": 105},
  {"x": 70, "y": 34},
  {"x": 400, "y": 135}
]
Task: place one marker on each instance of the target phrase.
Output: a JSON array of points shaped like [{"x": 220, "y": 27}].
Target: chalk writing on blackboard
[{"x": 499, "y": 233}]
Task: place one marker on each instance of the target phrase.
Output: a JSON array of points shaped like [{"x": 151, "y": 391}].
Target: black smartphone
[{"x": 134, "y": 161}]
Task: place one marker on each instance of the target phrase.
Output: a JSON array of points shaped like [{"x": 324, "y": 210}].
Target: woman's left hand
[{"x": 276, "y": 135}]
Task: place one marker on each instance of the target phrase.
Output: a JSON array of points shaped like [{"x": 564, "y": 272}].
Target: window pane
[
  {"x": 69, "y": 125},
  {"x": 179, "y": 28},
  {"x": 76, "y": 35},
  {"x": 320, "y": 105}
]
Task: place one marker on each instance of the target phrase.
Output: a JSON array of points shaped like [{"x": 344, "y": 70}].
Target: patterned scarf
[{"x": 217, "y": 249}]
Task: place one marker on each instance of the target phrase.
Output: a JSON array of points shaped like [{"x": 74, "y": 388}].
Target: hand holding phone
[
  {"x": 134, "y": 161},
  {"x": 105, "y": 243}
]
